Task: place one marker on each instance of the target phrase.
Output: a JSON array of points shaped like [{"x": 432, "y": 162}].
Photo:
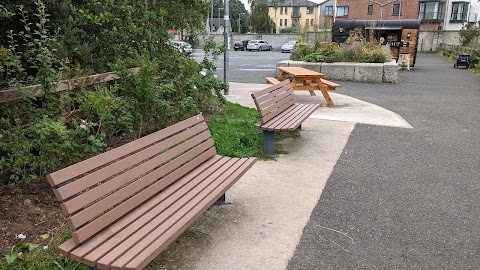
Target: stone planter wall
[{"x": 357, "y": 72}]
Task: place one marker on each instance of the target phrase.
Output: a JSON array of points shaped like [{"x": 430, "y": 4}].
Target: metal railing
[
  {"x": 431, "y": 16},
  {"x": 296, "y": 14}
]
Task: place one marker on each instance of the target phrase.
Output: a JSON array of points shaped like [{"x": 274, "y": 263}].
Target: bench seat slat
[
  {"x": 177, "y": 206},
  {"x": 298, "y": 119},
  {"x": 269, "y": 89},
  {"x": 64, "y": 175},
  {"x": 98, "y": 224},
  {"x": 290, "y": 121},
  {"x": 87, "y": 214},
  {"x": 289, "y": 124},
  {"x": 121, "y": 165},
  {"x": 277, "y": 104},
  {"x": 262, "y": 99},
  {"x": 117, "y": 182},
  {"x": 155, "y": 214},
  {"x": 82, "y": 250},
  {"x": 152, "y": 249}
]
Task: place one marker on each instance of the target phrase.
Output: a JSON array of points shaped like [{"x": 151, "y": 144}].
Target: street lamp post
[
  {"x": 239, "y": 27},
  {"x": 219, "y": 12}
]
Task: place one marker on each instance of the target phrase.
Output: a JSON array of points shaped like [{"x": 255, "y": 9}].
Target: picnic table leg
[
  {"x": 282, "y": 76},
  {"x": 308, "y": 83},
  {"x": 269, "y": 143},
  {"x": 324, "y": 91}
]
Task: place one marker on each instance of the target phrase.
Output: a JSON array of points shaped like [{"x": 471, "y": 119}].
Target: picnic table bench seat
[
  {"x": 128, "y": 204},
  {"x": 271, "y": 80},
  {"x": 279, "y": 112}
]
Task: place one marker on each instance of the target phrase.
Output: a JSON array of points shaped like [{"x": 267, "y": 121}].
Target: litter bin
[{"x": 462, "y": 60}]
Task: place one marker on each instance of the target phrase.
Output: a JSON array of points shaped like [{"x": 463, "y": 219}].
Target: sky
[{"x": 247, "y": 6}]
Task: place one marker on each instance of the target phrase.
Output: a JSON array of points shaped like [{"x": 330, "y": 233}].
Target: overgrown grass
[{"x": 234, "y": 132}]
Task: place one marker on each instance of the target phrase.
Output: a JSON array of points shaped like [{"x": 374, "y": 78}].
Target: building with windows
[
  {"x": 459, "y": 13},
  {"x": 294, "y": 13},
  {"x": 376, "y": 9},
  {"x": 434, "y": 14}
]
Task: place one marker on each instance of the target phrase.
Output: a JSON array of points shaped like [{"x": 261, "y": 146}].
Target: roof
[
  {"x": 217, "y": 22},
  {"x": 293, "y": 3}
]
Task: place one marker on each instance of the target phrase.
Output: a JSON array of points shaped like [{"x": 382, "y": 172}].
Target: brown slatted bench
[
  {"x": 128, "y": 204},
  {"x": 279, "y": 112}
]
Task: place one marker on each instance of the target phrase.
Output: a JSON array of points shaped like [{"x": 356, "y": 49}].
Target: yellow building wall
[{"x": 301, "y": 20}]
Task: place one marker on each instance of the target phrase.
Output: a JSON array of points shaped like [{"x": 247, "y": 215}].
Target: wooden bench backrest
[
  {"x": 98, "y": 191},
  {"x": 274, "y": 100}
]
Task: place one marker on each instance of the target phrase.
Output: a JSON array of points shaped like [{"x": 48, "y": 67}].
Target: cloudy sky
[{"x": 247, "y": 6}]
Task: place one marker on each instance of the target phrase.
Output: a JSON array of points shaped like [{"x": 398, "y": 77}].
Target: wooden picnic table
[{"x": 305, "y": 79}]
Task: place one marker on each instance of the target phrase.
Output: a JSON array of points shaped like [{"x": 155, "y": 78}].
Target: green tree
[
  {"x": 260, "y": 20},
  {"x": 469, "y": 33},
  {"x": 236, "y": 7},
  {"x": 275, "y": 4}
]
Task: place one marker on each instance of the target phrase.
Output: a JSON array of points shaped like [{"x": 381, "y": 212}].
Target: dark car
[
  {"x": 462, "y": 60},
  {"x": 240, "y": 45}
]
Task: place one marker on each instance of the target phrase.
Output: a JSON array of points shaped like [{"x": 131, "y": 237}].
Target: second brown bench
[{"x": 279, "y": 112}]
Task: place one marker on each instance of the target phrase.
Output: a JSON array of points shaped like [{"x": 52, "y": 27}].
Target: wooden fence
[{"x": 64, "y": 85}]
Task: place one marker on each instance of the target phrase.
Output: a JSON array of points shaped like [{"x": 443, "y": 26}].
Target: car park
[
  {"x": 289, "y": 46},
  {"x": 240, "y": 45},
  {"x": 182, "y": 46},
  {"x": 259, "y": 45}
]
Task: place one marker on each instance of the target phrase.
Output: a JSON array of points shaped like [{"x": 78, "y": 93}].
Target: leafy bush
[
  {"x": 288, "y": 30},
  {"x": 314, "y": 57},
  {"x": 41, "y": 134},
  {"x": 469, "y": 33},
  {"x": 350, "y": 51}
]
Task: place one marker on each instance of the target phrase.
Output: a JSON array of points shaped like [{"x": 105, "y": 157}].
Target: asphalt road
[
  {"x": 404, "y": 198},
  {"x": 248, "y": 66}
]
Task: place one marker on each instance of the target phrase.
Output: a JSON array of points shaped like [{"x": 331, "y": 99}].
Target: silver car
[
  {"x": 288, "y": 47},
  {"x": 183, "y": 47},
  {"x": 259, "y": 45}
]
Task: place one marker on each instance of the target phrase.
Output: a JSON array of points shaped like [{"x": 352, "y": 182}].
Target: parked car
[
  {"x": 240, "y": 45},
  {"x": 182, "y": 46},
  {"x": 259, "y": 45},
  {"x": 288, "y": 47}
]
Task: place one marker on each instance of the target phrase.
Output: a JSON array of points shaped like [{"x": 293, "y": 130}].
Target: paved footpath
[{"x": 404, "y": 198}]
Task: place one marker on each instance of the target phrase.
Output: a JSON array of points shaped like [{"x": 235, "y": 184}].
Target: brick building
[
  {"x": 376, "y": 10},
  {"x": 429, "y": 11}
]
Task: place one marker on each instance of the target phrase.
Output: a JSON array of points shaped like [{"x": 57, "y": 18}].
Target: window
[
  {"x": 286, "y": 24},
  {"x": 311, "y": 22},
  {"x": 296, "y": 12},
  {"x": 370, "y": 10},
  {"x": 281, "y": 22},
  {"x": 342, "y": 11},
  {"x": 306, "y": 22},
  {"x": 459, "y": 12},
  {"x": 286, "y": 10},
  {"x": 281, "y": 10},
  {"x": 310, "y": 10},
  {"x": 431, "y": 10},
  {"x": 329, "y": 10},
  {"x": 397, "y": 9}
]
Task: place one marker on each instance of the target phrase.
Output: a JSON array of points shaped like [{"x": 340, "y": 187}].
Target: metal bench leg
[
  {"x": 299, "y": 128},
  {"x": 92, "y": 268},
  {"x": 223, "y": 200},
  {"x": 269, "y": 143}
]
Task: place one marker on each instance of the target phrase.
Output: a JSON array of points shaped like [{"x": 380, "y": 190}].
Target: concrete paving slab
[
  {"x": 272, "y": 203},
  {"x": 346, "y": 108}
]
